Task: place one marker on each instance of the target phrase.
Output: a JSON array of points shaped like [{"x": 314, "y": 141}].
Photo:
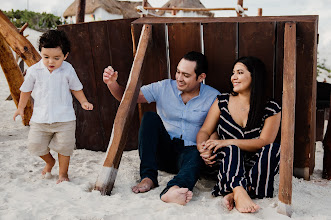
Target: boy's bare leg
[
  {"x": 145, "y": 185},
  {"x": 228, "y": 201},
  {"x": 63, "y": 168},
  {"x": 50, "y": 162},
  {"x": 243, "y": 202},
  {"x": 177, "y": 195}
]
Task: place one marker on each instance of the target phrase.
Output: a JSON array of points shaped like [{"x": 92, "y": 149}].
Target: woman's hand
[
  {"x": 206, "y": 155},
  {"x": 214, "y": 145}
]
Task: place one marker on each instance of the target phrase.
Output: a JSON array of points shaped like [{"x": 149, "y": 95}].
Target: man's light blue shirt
[{"x": 180, "y": 120}]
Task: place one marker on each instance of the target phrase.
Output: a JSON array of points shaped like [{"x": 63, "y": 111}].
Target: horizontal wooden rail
[{"x": 192, "y": 9}]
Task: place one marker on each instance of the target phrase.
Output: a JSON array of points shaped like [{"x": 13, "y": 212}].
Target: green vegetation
[
  {"x": 36, "y": 21},
  {"x": 321, "y": 66}
]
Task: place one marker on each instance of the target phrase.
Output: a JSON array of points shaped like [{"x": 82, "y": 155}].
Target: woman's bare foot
[
  {"x": 228, "y": 201},
  {"x": 243, "y": 202},
  {"x": 144, "y": 186},
  {"x": 62, "y": 178},
  {"x": 177, "y": 195}
]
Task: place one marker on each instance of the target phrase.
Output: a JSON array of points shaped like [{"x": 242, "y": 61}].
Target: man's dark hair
[
  {"x": 201, "y": 61},
  {"x": 258, "y": 98},
  {"x": 54, "y": 39}
]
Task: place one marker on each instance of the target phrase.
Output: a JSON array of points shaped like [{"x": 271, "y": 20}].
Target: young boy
[{"x": 53, "y": 122}]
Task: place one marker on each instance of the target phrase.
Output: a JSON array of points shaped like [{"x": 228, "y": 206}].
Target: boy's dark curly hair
[{"x": 54, "y": 39}]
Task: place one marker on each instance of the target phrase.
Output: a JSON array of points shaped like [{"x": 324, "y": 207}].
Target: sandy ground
[{"x": 24, "y": 195}]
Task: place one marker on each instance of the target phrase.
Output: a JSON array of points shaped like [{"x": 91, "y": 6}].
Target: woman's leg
[{"x": 262, "y": 174}]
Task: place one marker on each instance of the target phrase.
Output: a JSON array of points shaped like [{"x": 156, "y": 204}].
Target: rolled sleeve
[{"x": 151, "y": 91}]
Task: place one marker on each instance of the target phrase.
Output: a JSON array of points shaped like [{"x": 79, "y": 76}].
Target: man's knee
[{"x": 150, "y": 118}]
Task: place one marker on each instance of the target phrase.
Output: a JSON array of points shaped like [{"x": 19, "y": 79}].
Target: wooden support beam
[
  {"x": 106, "y": 178},
  {"x": 288, "y": 120},
  {"x": 17, "y": 42},
  {"x": 80, "y": 13},
  {"x": 327, "y": 150},
  {"x": 14, "y": 77},
  {"x": 259, "y": 12}
]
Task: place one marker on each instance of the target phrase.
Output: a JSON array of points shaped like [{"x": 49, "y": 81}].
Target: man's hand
[
  {"x": 109, "y": 75},
  {"x": 206, "y": 154},
  {"x": 19, "y": 111},
  {"x": 87, "y": 106}
]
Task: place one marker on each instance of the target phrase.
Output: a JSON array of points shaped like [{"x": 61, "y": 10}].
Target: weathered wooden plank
[
  {"x": 14, "y": 77},
  {"x": 183, "y": 38},
  {"x": 155, "y": 64},
  {"x": 288, "y": 120},
  {"x": 154, "y": 20},
  {"x": 17, "y": 42},
  {"x": 106, "y": 178},
  {"x": 220, "y": 47},
  {"x": 121, "y": 56},
  {"x": 80, "y": 13},
  {"x": 305, "y": 135},
  {"x": 327, "y": 150},
  {"x": 258, "y": 39},
  {"x": 88, "y": 131}
]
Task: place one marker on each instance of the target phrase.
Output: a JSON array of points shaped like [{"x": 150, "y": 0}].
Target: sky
[{"x": 270, "y": 8}]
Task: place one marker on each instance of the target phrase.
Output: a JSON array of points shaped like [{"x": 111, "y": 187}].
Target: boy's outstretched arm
[
  {"x": 82, "y": 99},
  {"x": 24, "y": 98}
]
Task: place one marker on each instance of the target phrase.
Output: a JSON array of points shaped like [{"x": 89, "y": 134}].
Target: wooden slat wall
[
  {"x": 224, "y": 40},
  {"x": 220, "y": 47},
  {"x": 94, "y": 46},
  {"x": 183, "y": 38}
]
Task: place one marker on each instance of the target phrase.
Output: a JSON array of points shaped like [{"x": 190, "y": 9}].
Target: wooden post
[
  {"x": 327, "y": 150},
  {"x": 241, "y": 3},
  {"x": 17, "y": 42},
  {"x": 106, "y": 178},
  {"x": 288, "y": 119},
  {"x": 14, "y": 77},
  {"x": 259, "y": 12},
  {"x": 80, "y": 13},
  {"x": 144, "y": 4}
]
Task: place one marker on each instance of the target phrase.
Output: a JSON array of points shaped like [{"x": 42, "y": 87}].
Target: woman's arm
[{"x": 267, "y": 136}]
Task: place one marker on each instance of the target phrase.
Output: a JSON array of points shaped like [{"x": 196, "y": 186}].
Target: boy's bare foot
[
  {"x": 244, "y": 203},
  {"x": 46, "y": 172},
  {"x": 145, "y": 185},
  {"x": 177, "y": 195},
  {"x": 228, "y": 201},
  {"x": 62, "y": 178}
]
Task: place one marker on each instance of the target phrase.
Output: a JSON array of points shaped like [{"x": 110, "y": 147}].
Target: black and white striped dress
[{"x": 251, "y": 170}]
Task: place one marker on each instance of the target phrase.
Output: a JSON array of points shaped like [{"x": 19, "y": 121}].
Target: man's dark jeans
[{"x": 158, "y": 152}]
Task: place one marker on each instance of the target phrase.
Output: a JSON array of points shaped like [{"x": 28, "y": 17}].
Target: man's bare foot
[
  {"x": 144, "y": 186},
  {"x": 243, "y": 202},
  {"x": 177, "y": 195},
  {"x": 62, "y": 178},
  {"x": 46, "y": 172},
  {"x": 228, "y": 201}
]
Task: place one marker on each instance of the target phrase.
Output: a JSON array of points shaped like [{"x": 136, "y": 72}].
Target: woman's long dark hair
[{"x": 257, "y": 99}]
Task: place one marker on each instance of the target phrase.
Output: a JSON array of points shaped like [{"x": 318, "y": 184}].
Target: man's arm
[{"x": 110, "y": 78}]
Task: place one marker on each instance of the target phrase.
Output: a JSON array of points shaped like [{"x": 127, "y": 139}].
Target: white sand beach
[{"x": 24, "y": 195}]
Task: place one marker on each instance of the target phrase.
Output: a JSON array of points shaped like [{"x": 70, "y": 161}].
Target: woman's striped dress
[{"x": 251, "y": 170}]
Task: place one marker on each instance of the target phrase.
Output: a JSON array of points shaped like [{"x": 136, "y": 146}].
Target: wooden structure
[
  {"x": 327, "y": 151},
  {"x": 222, "y": 40}
]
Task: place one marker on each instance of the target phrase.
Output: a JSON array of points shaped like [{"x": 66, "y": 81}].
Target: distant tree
[
  {"x": 37, "y": 21},
  {"x": 321, "y": 66}
]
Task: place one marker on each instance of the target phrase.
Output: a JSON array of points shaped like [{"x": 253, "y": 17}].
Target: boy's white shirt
[{"x": 51, "y": 92}]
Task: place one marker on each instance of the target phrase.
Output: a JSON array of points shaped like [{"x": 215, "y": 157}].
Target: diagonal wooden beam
[
  {"x": 106, "y": 178},
  {"x": 17, "y": 42},
  {"x": 288, "y": 119},
  {"x": 14, "y": 77}
]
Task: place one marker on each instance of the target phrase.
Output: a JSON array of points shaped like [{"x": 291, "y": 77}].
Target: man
[{"x": 167, "y": 139}]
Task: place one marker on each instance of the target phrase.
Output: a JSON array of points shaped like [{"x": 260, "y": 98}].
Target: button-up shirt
[
  {"x": 51, "y": 92},
  {"x": 180, "y": 120}
]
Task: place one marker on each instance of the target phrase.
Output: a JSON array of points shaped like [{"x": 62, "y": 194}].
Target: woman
[{"x": 247, "y": 125}]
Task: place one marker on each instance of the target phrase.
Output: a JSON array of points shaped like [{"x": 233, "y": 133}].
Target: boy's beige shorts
[{"x": 59, "y": 136}]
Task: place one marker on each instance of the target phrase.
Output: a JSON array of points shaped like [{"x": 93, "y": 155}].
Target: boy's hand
[
  {"x": 87, "y": 106},
  {"x": 109, "y": 75},
  {"x": 20, "y": 112}
]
